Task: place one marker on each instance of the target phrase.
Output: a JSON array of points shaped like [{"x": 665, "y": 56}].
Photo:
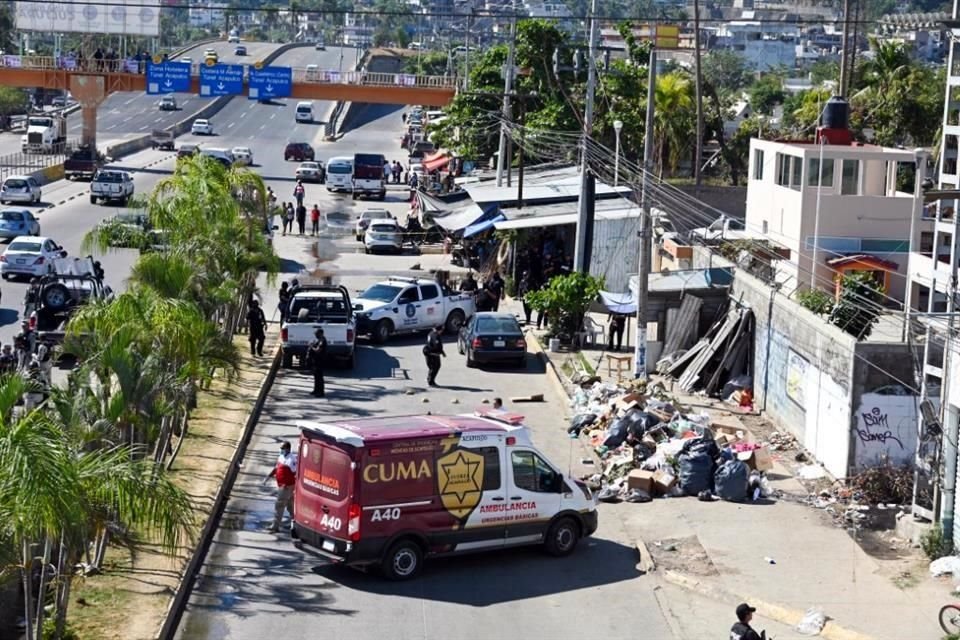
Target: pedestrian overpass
[{"x": 91, "y": 86}]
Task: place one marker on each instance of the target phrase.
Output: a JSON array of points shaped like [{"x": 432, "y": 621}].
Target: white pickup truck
[
  {"x": 111, "y": 185},
  {"x": 315, "y": 307},
  {"x": 404, "y": 305}
]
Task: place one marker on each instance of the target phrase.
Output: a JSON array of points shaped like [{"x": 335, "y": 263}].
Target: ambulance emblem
[{"x": 460, "y": 482}]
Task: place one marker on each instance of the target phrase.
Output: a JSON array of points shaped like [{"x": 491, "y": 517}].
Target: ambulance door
[
  {"x": 472, "y": 483},
  {"x": 534, "y": 495}
]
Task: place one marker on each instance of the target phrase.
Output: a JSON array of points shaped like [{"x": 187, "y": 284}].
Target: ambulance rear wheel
[
  {"x": 562, "y": 537},
  {"x": 403, "y": 561}
]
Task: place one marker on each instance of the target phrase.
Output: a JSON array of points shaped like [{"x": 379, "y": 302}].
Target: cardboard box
[
  {"x": 640, "y": 479},
  {"x": 758, "y": 459},
  {"x": 663, "y": 481},
  {"x": 628, "y": 401},
  {"x": 732, "y": 432}
]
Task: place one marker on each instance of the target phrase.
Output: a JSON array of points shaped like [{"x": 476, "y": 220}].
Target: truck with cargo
[
  {"x": 368, "y": 176},
  {"x": 83, "y": 163},
  {"x": 315, "y": 307},
  {"x": 388, "y": 492},
  {"x": 45, "y": 134}
]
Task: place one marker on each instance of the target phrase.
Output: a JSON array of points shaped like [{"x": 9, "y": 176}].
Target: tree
[
  {"x": 565, "y": 300},
  {"x": 13, "y": 101},
  {"x": 858, "y": 308},
  {"x": 726, "y": 70},
  {"x": 673, "y": 119},
  {"x": 766, "y": 93}
]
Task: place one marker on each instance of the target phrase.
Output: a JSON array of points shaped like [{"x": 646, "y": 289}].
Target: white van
[
  {"x": 340, "y": 174},
  {"x": 304, "y": 112}
]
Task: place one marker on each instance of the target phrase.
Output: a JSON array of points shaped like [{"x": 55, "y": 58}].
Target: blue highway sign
[
  {"x": 221, "y": 80},
  {"x": 270, "y": 82},
  {"x": 168, "y": 77}
]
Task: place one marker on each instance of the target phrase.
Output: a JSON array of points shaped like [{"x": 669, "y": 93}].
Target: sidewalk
[{"x": 716, "y": 552}]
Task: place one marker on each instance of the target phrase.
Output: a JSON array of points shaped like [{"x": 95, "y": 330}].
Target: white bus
[{"x": 340, "y": 174}]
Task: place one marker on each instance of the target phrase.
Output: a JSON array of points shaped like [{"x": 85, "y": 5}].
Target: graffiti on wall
[
  {"x": 886, "y": 428},
  {"x": 797, "y": 377}
]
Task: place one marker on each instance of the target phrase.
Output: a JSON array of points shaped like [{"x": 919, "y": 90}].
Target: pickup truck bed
[{"x": 314, "y": 307}]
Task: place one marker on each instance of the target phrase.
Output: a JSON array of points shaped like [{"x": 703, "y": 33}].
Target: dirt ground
[{"x": 129, "y": 601}]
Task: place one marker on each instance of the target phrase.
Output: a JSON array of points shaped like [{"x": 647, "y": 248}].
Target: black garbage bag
[
  {"x": 641, "y": 422},
  {"x": 580, "y": 422},
  {"x": 705, "y": 443},
  {"x": 616, "y": 435},
  {"x": 696, "y": 468},
  {"x": 731, "y": 481}
]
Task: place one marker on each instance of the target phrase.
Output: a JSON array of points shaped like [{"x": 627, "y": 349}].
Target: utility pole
[
  {"x": 646, "y": 235},
  {"x": 502, "y": 158},
  {"x": 844, "y": 53},
  {"x": 586, "y": 203},
  {"x": 698, "y": 145}
]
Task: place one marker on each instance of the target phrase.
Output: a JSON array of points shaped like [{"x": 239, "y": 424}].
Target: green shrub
[
  {"x": 818, "y": 301},
  {"x": 933, "y": 543}
]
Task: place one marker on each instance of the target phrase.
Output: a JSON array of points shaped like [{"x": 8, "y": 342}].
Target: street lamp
[{"x": 617, "y": 126}]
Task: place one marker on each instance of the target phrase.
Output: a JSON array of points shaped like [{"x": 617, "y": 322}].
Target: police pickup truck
[
  {"x": 315, "y": 307},
  {"x": 405, "y": 305}
]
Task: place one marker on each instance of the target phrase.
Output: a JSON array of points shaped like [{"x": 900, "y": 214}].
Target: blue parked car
[{"x": 18, "y": 222}]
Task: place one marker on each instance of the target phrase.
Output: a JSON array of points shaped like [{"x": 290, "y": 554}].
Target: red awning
[{"x": 435, "y": 162}]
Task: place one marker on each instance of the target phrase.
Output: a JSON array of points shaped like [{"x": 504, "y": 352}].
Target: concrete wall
[{"x": 731, "y": 200}]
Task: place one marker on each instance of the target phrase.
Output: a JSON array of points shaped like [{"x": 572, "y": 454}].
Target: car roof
[
  {"x": 367, "y": 431},
  {"x": 389, "y": 221},
  {"x": 495, "y": 314},
  {"x": 16, "y": 176},
  {"x": 40, "y": 239},
  {"x": 318, "y": 294},
  {"x": 200, "y": 120}
]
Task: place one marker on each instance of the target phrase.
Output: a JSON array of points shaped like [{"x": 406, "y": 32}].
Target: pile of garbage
[{"x": 650, "y": 447}]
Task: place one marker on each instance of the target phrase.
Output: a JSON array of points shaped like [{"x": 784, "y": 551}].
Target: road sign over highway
[
  {"x": 221, "y": 80},
  {"x": 270, "y": 82},
  {"x": 168, "y": 77}
]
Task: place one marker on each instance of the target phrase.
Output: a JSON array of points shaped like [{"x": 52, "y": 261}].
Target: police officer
[
  {"x": 432, "y": 352},
  {"x": 257, "y": 325},
  {"x": 284, "y": 305},
  {"x": 317, "y": 355}
]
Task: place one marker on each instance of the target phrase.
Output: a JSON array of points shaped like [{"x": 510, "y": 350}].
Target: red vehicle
[
  {"x": 388, "y": 492},
  {"x": 298, "y": 151}
]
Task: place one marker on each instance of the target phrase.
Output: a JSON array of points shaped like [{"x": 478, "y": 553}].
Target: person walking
[
  {"x": 301, "y": 218},
  {"x": 432, "y": 351},
  {"x": 496, "y": 286},
  {"x": 285, "y": 473},
  {"x": 524, "y": 288},
  {"x": 299, "y": 192},
  {"x": 741, "y": 630},
  {"x": 317, "y": 355},
  {"x": 287, "y": 221},
  {"x": 615, "y": 329},
  {"x": 257, "y": 327},
  {"x": 315, "y": 220}
]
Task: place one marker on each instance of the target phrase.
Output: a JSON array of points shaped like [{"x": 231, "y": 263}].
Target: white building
[
  {"x": 763, "y": 45},
  {"x": 855, "y": 213},
  {"x": 209, "y": 14}
]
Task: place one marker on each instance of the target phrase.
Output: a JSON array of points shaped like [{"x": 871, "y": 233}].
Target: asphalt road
[{"x": 125, "y": 114}]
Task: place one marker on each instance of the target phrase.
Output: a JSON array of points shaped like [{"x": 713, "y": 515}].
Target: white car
[
  {"x": 364, "y": 220},
  {"x": 30, "y": 256},
  {"x": 312, "y": 73},
  {"x": 233, "y": 37},
  {"x": 242, "y": 156},
  {"x": 309, "y": 172},
  {"x": 20, "y": 189},
  {"x": 383, "y": 235},
  {"x": 201, "y": 127},
  {"x": 186, "y": 59}
]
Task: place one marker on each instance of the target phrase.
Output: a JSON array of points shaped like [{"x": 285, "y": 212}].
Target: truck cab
[
  {"x": 45, "y": 134},
  {"x": 406, "y": 305},
  {"x": 315, "y": 307}
]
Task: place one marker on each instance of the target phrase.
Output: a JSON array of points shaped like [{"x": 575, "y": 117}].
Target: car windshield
[
  {"x": 310, "y": 165},
  {"x": 16, "y": 184},
  {"x": 241, "y": 150},
  {"x": 339, "y": 168},
  {"x": 313, "y": 309},
  {"x": 200, "y": 122},
  {"x": 109, "y": 176},
  {"x": 497, "y": 325},
  {"x": 381, "y": 293},
  {"x": 11, "y": 216},
  {"x": 24, "y": 246},
  {"x": 383, "y": 228}
]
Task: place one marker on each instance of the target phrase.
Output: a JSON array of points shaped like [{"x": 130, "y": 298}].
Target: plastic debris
[
  {"x": 947, "y": 565},
  {"x": 812, "y": 622}
]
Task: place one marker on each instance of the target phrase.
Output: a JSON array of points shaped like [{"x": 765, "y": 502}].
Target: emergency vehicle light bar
[{"x": 513, "y": 419}]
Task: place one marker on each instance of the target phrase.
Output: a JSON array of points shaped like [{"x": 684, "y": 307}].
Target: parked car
[
  {"x": 403, "y": 305},
  {"x": 167, "y": 103},
  {"x": 310, "y": 172},
  {"x": 319, "y": 307},
  {"x": 491, "y": 337},
  {"x": 19, "y": 188},
  {"x": 18, "y": 222},
  {"x": 364, "y": 220},
  {"x": 111, "y": 185},
  {"x": 383, "y": 235},
  {"x": 201, "y": 127},
  {"x": 298, "y": 151},
  {"x": 242, "y": 156},
  {"x": 30, "y": 256}
]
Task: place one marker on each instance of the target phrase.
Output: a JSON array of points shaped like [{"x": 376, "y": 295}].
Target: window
[
  {"x": 491, "y": 467},
  {"x": 498, "y": 325},
  {"x": 758, "y": 164},
  {"x": 789, "y": 171},
  {"x": 850, "y": 186},
  {"x": 813, "y": 172},
  {"x": 408, "y": 296},
  {"x": 429, "y": 291},
  {"x": 796, "y": 173},
  {"x": 532, "y": 473}
]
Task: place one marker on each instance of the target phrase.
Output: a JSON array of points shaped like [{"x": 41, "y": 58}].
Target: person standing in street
[
  {"x": 285, "y": 472},
  {"x": 741, "y": 630},
  {"x": 299, "y": 192},
  {"x": 317, "y": 354},
  {"x": 284, "y": 305},
  {"x": 433, "y": 351},
  {"x": 257, "y": 326},
  {"x": 301, "y": 218},
  {"x": 315, "y": 220},
  {"x": 496, "y": 287},
  {"x": 615, "y": 329},
  {"x": 524, "y": 289}
]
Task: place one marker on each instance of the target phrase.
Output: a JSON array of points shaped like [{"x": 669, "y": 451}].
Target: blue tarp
[{"x": 480, "y": 227}]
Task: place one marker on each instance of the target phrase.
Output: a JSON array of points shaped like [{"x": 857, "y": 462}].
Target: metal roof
[
  {"x": 555, "y": 185},
  {"x": 548, "y": 215}
]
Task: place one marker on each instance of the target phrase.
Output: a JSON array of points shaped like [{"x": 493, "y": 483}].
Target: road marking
[{"x": 272, "y": 116}]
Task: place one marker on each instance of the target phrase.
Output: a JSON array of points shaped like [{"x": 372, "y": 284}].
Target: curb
[
  {"x": 552, "y": 374},
  {"x": 185, "y": 588},
  {"x": 778, "y": 613}
]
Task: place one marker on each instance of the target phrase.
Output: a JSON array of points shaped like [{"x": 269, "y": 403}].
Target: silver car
[{"x": 20, "y": 189}]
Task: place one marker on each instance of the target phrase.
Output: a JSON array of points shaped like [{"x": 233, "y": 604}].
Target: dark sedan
[{"x": 491, "y": 337}]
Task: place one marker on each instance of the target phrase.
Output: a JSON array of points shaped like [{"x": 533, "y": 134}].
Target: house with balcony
[{"x": 836, "y": 205}]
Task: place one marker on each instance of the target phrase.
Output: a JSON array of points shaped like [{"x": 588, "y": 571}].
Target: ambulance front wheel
[
  {"x": 403, "y": 561},
  {"x": 562, "y": 537}
]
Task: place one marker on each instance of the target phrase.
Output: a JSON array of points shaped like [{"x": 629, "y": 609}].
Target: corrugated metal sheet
[{"x": 616, "y": 249}]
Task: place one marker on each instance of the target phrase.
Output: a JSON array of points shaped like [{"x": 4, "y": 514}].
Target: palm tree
[{"x": 673, "y": 101}]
